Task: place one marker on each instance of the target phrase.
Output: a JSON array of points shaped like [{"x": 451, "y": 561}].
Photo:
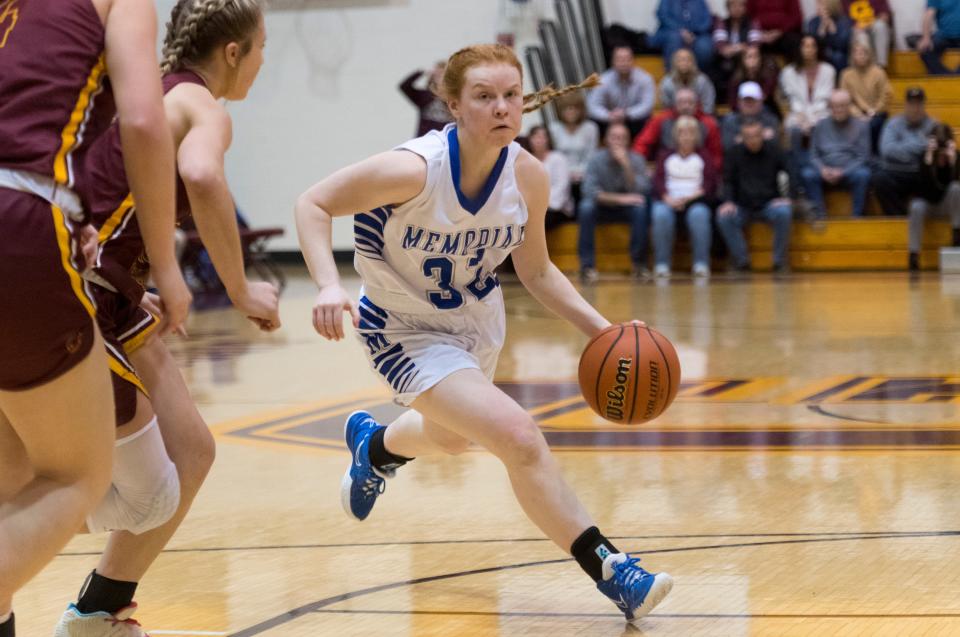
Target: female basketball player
[
  {"x": 56, "y": 425},
  {"x": 445, "y": 210},
  {"x": 213, "y": 50}
]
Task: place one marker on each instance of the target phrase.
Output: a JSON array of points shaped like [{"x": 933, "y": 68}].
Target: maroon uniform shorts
[
  {"x": 125, "y": 328},
  {"x": 46, "y": 312}
]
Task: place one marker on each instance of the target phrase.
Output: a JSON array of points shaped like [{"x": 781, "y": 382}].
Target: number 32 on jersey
[{"x": 447, "y": 296}]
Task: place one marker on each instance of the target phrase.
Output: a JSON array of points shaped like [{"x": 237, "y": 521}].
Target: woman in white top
[
  {"x": 446, "y": 208},
  {"x": 683, "y": 184},
  {"x": 560, "y": 207},
  {"x": 805, "y": 86},
  {"x": 575, "y": 136}
]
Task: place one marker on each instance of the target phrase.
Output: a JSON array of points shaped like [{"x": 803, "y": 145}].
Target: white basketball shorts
[{"x": 414, "y": 352}]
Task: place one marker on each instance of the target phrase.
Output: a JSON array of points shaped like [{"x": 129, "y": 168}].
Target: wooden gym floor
[{"x": 804, "y": 483}]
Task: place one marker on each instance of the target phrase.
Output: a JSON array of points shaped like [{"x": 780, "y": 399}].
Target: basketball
[{"x": 629, "y": 373}]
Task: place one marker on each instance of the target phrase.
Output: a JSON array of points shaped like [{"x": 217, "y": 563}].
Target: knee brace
[{"x": 145, "y": 491}]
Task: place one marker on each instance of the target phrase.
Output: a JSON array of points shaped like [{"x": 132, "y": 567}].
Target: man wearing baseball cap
[
  {"x": 902, "y": 144},
  {"x": 750, "y": 107}
]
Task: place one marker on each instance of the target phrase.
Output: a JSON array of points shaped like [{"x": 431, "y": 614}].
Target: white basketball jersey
[{"x": 440, "y": 250}]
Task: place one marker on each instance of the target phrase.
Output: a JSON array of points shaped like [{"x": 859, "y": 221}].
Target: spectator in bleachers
[
  {"x": 750, "y": 99},
  {"x": 871, "y": 24},
  {"x": 615, "y": 187},
  {"x": 833, "y": 30},
  {"x": 433, "y": 110},
  {"x": 731, "y": 35},
  {"x": 658, "y": 133},
  {"x": 781, "y": 22},
  {"x": 946, "y": 15},
  {"x": 869, "y": 89},
  {"x": 939, "y": 191},
  {"x": 684, "y": 24},
  {"x": 575, "y": 136},
  {"x": 759, "y": 68},
  {"x": 902, "y": 144},
  {"x": 560, "y": 206},
  {"x": 806, "y": 86},
  {"x": 751, "y": 193},
  {"x": 684, "y": 184},
  {"x": 839, "y": 156},
  {"x": 685, "y": 74},
  {"x": 625, "y": 96}
]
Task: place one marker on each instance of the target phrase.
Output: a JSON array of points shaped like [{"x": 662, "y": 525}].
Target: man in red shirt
[{"x": 658, "y": 133}]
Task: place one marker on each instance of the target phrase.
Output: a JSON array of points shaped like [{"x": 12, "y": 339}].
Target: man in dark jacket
[{"x": 751, "y": 193}]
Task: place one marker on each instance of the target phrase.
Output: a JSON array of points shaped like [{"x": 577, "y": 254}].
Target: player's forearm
[
  {"x": 216, "y": 218},
  {"x": 555, "y": 292},
  {"x": 148, "y": 160},
  {"x": 314, "y": 231}
]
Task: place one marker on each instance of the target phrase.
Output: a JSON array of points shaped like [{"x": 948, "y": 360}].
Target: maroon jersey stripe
[{"x": 52, "y": 81}]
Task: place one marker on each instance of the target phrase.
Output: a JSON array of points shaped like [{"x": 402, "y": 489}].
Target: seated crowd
[{"x": 820, "y": 122}]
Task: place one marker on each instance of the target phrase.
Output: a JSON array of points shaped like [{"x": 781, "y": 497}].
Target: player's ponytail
[
  {"x": 536, "y": 101},
  {"x": 464, "y": 59},
  {"x": 197, "y": 27}
]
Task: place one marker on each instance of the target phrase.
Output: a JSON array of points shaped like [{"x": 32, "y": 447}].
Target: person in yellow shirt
[
  {"x": 872, "y": 24},
  {"x": 869, "y": 88}
]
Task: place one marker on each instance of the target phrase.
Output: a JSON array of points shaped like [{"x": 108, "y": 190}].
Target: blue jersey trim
[{"x": 474, "y": 205}]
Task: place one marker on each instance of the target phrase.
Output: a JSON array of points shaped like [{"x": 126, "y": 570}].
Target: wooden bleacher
[{"x": 872, "y": 243}]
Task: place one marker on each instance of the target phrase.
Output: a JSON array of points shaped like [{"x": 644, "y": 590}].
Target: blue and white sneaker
[
  {"x": 635, "y": 591},
  {"x": 362, "y": 483}
]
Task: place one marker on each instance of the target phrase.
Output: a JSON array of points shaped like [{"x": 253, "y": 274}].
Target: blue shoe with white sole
[
  {"x": 635, "y": 591},
  {"x": 362, "y": 483}
]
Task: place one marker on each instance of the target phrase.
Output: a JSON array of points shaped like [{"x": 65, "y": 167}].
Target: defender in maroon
[
  {"x": 213, "y": 50},
  {"x": 56, "y": 433},
  {"x": 119, "y": 275}
]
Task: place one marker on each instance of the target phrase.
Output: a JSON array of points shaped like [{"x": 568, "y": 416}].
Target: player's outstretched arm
[
  {"x": 393, "y": 177},
  {"x": 200, "y": 164},
  {"x": 532, "y": 262}
]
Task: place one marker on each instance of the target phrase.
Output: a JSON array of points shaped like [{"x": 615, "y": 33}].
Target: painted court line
[{"x": 189, "y": 633}]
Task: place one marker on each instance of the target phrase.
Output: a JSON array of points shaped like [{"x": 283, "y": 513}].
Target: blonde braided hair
[{"x": 196, "y": 27}]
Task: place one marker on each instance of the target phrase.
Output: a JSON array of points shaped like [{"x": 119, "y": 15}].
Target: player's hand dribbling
[
  {"x": 175, "y": 299},
  {"x": 328, "y": 311},
  {"x": 259, "y": 302}
]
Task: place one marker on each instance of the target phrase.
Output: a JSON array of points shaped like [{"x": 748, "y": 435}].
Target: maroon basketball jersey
[
  {"x": 103, "y": 187},
  {"x": 53, "y": 95}
]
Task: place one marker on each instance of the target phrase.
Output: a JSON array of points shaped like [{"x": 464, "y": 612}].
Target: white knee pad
[{"x": 145, "y": 492}]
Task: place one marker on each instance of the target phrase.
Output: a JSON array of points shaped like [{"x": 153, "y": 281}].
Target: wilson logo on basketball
[
  {"x": 654, "y": 392},
  {"x": 616, "y": 396}
]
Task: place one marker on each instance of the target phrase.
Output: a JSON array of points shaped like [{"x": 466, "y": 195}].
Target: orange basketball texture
[{"x": 629, "y": 373}]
